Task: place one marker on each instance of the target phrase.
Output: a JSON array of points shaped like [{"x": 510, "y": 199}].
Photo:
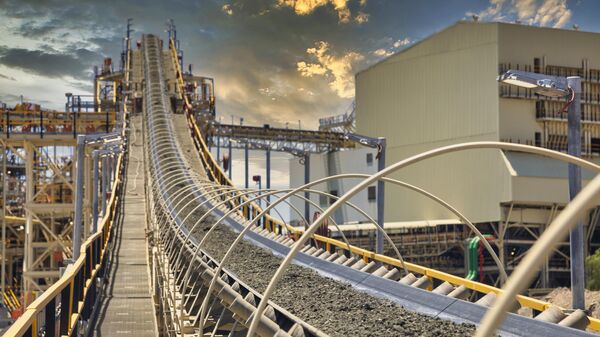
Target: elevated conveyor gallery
[{"x": 169, "y": 254}]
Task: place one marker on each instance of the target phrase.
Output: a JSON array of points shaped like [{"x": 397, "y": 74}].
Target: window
[
  {"x": 540, "y": 109},
  {"x": 596, "y": 145},
  {"x": 369, "y": 159},
  {"x": 372, "y": 193},
  {"x": 537, "y": 65},
  {"x": 538, "y": 139},
  {"x": 333, "y": 193}
]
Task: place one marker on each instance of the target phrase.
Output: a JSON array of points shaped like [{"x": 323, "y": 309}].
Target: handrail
[
  {"x": 210, "y": 164},
  {"x": 77, "y": 280},
  {"x": 75, "y": 290},
  {"x": 216, "y": 174}
]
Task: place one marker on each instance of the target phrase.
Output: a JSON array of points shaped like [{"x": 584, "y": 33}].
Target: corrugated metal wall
[{"x": 440, "y": 91}]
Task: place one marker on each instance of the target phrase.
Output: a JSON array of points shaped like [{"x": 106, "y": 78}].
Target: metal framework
[
  {"x": 196, "y": 295},
  {"x": 276, "y": 139}
]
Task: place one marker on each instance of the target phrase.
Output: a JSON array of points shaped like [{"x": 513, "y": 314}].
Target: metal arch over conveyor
[
  {"x": 410, "y": 297},
  {"x": 181, "y": 185}
]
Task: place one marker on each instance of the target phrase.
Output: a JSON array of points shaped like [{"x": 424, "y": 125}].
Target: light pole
[
  {"x": 570, "y": 87},
  {"x": 304, "y": 156},
  {"x": 257, "y": 179},
  {"x": 380, "y": 144}
]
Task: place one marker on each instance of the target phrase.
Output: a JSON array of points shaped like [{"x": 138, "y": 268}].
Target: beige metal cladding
[{"x": 438, "y": 92}]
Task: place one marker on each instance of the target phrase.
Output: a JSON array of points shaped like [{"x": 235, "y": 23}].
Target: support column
[
  {"x": 268, "y": 173},
  {"x": 501, "y": 250},
  {"x": 96, "y": 168},
  {"x": 4, "y": 186},
  {"x": 380, "y": 198},
  {"x": 576, "y": 234},
  {"x": 29, "y": 192},
  {"x": 87, "y": 192},
  {"x": 79, "y": 176},
  {"x": 218, "y": 149},
  {"x": 306, "y": 181},
  {"x": 246, "y": 166},
  {"x": 105, "y": 175},
  {"x": 230, "y": 159}
]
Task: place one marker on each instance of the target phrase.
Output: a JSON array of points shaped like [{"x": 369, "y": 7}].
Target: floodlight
[{"x": 545, "y": 85}]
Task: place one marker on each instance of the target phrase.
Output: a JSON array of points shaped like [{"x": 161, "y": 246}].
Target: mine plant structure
[{"x": 136, "y": 162}]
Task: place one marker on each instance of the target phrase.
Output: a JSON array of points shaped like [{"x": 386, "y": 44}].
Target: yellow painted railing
[
  {"x": 215, "y": 173},
  {"x": 56, "y": 122},
  {"x": 75, "y": 292},
  {"x": 58, "y": 310}
]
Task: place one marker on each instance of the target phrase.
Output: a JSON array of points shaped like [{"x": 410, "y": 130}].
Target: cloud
[
  {"x": 311, "y": 69},
  {"x": 525, "y": 9},
  {"x": 361, "y": 18},
  {"x": 547, "y": 13},
  {"x": 40, "y": 62},
  {"x": 554, "y": 13},
  {"x": 227, "y": 9},
  {"x": 10, "y": 78},
  {"x": 306, "y": 7},
  {"x": 402, "y": 42},
  {"x": 338, "y": 69},
  {"x": 271, "y": 41},
  {"x": 492, "y": 11},
  {"x": 382, "y": 52},
  {"x": 388, "y": 47},
  {"x": 33, "y": 29}
]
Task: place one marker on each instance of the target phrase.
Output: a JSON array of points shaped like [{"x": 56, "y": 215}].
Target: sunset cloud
[
  {"x": 227, "y": 9},
  {"x": 361, "y": 18},
  {"x": 337, "y": 69},
  {"x": 402, "y": 42},
  {"x": 382, "y": 52},
  {"x": 547, "y": 13},
  {"x": 306, "y": 7}
]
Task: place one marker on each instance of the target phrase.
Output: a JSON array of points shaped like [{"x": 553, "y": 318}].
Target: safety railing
[
  {"x": 211, "y": 166},
  {"x": 213, "y": 169},
  {"x": 60, "y": 309},
  {"x": 55, "y": 122},
  {"x": 331, "y": 245}
]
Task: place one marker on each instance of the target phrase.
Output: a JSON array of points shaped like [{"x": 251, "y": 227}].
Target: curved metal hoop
[
  {"x": 393, "y": 181},
  {"x": 390, "y": 169},
  {"x": 525, "y": 271}
]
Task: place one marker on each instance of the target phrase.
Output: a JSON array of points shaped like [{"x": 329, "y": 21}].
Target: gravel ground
[{"x": 334, "y": 307}]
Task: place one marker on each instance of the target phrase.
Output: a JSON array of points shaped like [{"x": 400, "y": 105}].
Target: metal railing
[
  {"x": 55, "y": 122},
  {"x": 65, "y": 305},
  {"x": 251, "y": 210}
]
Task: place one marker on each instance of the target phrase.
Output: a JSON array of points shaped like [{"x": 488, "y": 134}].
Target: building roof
[{"x": 472, "y": 23}]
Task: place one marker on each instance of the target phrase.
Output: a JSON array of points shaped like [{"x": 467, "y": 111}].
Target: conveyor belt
[
  {"x": 175, "y": 235},
  {"x": 164, "y": 157}
]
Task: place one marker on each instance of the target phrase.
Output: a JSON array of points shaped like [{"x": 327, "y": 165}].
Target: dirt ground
[
  {"x": 335, "y": 308},
  {"x": 562, "y": 298}
]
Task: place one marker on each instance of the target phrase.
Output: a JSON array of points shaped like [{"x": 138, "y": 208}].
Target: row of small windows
[{"x": 560, "y": 142}]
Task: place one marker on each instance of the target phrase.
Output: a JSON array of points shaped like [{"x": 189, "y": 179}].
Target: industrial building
[
  {"x": 146, "y": 250},
  {"x": 442, "y": 91}
]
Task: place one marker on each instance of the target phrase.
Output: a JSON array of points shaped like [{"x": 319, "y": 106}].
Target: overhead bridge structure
[{"x": 180, "y": 251}]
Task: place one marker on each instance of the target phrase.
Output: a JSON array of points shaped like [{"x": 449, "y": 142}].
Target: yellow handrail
[
  {"x": 217, "y": 175},
  {"x": 78, "y": 277}
]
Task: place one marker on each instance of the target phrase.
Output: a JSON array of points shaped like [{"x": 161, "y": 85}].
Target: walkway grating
[{"x": 128, "y": 308}]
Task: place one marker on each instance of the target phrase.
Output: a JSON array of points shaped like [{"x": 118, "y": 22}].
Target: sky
[{"x": 273, "y": 61}]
